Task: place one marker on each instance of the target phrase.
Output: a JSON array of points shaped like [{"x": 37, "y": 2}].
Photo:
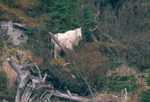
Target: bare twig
[
  {"x": 85, "y": 81},
  {"x": 58, "y": 42},
  {"x": 44, "y": 77},
  {"x": 65, "y": 64},
  {"x": 107, "y": 36},
  {"x": 92, "y": 30}
]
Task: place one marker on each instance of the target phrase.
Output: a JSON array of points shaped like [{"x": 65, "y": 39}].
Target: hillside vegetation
[{"x": 114, "y": 53}]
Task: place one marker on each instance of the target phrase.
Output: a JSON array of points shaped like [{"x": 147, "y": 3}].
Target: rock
[
  {"x": 13, "y": 32},
  {"x": 21, "y": 37}
]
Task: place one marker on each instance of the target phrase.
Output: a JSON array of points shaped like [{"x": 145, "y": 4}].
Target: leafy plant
[
  {"x": 117, "y": 83},
  {"x": 1, "y": 44},
  {"x": 63, "y": 16},
  {"x": 148, "y": 80},
  {"x": 1, "y": 63},
  {"x": 100, "y": 82},
  {"x": 113, "y": 63},
  {"x": 144, "y": 96},
  {"x": 56, "y": 68},
  {"x": 3, "y": 82},
  {"x": 88, "y": 22}
]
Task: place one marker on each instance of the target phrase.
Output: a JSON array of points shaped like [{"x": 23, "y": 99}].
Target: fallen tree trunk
[
  {"x": 31, "y": 85},
  {"x": 70, "y": 97},
  {"x": 59, "y": 43},
  {"x": 20, "y": 26}
]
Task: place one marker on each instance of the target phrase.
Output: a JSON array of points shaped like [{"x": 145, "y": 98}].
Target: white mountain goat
[{"x": 68, "y": 39}]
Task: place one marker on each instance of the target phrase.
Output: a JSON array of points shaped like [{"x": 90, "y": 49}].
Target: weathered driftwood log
[
  {"x": 59, "y": 43},
  {"x": 32, "y": 87}
]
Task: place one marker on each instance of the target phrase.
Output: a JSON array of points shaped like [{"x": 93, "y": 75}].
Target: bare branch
[
  {"x": 107, "y": 36},
  {"x": 85, "y": 81},
  {"x": 31, "y": 86},
  {"x": 21, "y": 26},
  {"x": 59, "y": 43},
  {"x": 44, "y": 77},
  {"x": 13, "y": 64},
  {"x": 66, "y": 96}
]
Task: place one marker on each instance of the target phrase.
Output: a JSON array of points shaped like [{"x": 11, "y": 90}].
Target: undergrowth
[{"x": 144, "y": 96}]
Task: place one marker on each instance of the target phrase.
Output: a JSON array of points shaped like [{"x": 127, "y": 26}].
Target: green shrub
[
  {"x": 145, "y": 96},
  {"x": 148, "y": 80},
  {"x": 113, "y": 50},
  {"x": 100, "y": 82},
  {"x": 36, "y": 9},
  {"x": 1, "y": 44},
  {"x": 63, "y": 16},
  {"x": 1, "y": 12},
  {"x": 39, "y": 42},
  {"x": 3, "y": 82},
  {"x": 113, "y": 63},
  {"x": 1, "y": 63},
  {"x": 56, "y": 69},
  {"x": 117, "y": 83},
  {"x": 9, "y": 2}
]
